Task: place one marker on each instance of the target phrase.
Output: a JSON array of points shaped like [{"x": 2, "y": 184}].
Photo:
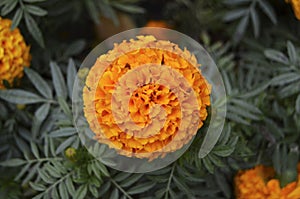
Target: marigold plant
[
  {"x": 14, "y": 53},
  {"x": 128, "y": 56},
  {"x": 259, "y": 183}
]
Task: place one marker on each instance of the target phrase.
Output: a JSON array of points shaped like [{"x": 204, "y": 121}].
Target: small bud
[{"x": 21, "y": 106}]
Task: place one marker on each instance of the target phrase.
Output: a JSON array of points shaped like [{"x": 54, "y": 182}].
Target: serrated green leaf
[
  {"x": 17, "y": 18},
  {"x": 268, "y": 10},
  {"x": 58, "y": 81},
  {"x": 52, "y": 171},
  {"x": 45, "y": 176},
  {"x": 63, "y": 132},
  {"x": 18, "y": 96},
  {"x": 140, "y": 188},
  {"x": 13, "y": 162},
  {"x": 34, "y": 30},
  {"x": 235, "y": 14},
  {"x": 35, "y": 10},
  {"x": 81, "y": 192}
]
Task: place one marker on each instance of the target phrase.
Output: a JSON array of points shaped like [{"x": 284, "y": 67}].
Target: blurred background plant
[{"x": 255, "y": 44}]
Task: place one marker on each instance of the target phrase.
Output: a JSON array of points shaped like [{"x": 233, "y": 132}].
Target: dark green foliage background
[{"x": 255, "y": 44}]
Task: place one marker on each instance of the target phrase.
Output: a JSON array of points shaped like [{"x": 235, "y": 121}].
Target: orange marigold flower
[
  {"x": 259, "y": 183},
  {"x": 296, "y": 7},
  {"x": 158, "y": 24},
  {"x": 14, "y": 53},
  {"x": 105, "y": 92}
]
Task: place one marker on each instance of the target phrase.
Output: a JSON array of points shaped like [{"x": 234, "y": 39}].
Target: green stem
[
  {"x": 120, "y": 188},
  {"x": 170, "y": 180}
]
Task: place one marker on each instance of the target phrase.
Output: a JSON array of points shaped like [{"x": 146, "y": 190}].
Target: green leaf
[
  {"x": 13, "y": 162},
  {"x": 236, "y": 118},
  {"x": 52, "y": 171},
  {"x": 81, "y": 192},
  {"x": 71, "y": 75},
  {"x": 131, "y": 180},
  {"x": 35, "y": 10},
  {"x": 18, "y": 96},
  {"x": 33, "y": 1},
  {"x": 128, "y": 8},
  {"x": 102, "y": 168},
  {"x": 208, "y": 165},
  {"x": 63, "y": 132},
  {"x": 276, "y": 56},
  {"x": 17, "y": 18},
  {"x": 8, "y": 7},
  {"x": 42, "y": 112},
  {"x": 70, "y": 186},
  {"x": 34, "y": 30},
  {"x": 259, "y": 89},
  {"x": 268, "y": 10},
  {"x": 183, "y": 187},
  {"x": 65, "y": 107},
  {"x": 121, "y": 176},
  {"x": 104, "y": 188},
  {"x": 75, "y": 48},
  {"x": 297, "y": 107},
  {"x": 114, "y": 194},
  {"x": 245, "y": 105},
  {"x": 65, "y": 144},
  {"x": 255, "y": 21},
  {"x": 39, "y": 83},
  {"x": 223, "y": 184},
  {"x": 34, "y": 150},
  {"x": 140, "y": 188},
  {"x": 292, "y": 53},
  {"x": 235, "y": 14},
  {"x": 58, "y": 81},
  {"x": 92, "y": 10},
  {"x": 241, "y": 28},
  {"x": 63, "y": 191},
  {"x": 37, "y": 187},
  {"x": 285, "y": 78},
  {"x": 240, "y": 111},
  {"x": 236, "y": 2},
  {"x": 223, "y": 151}
]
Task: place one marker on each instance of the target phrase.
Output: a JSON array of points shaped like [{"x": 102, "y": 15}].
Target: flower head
[
  {"x": 14, "y": 53},
  {"x": 296, "y": 7},
  {"x": 259, "y": 183},
  {"x": 139, "y": 96}
]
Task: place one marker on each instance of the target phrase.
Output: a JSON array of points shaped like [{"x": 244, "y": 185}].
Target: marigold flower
[
  {"x": 106, "y": 91},
  {"x": 296, "y": 7},
  {"x": 258, "y": 183},
  {"x": 14, "y": 53}
]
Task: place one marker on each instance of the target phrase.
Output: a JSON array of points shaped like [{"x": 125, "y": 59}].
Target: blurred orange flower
[
  {"x": 296, "y": 7},
  {"x": 258, "y": 183},
  {"x": 14, "y": 54},
  {"x": 101, "y": 86}
]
